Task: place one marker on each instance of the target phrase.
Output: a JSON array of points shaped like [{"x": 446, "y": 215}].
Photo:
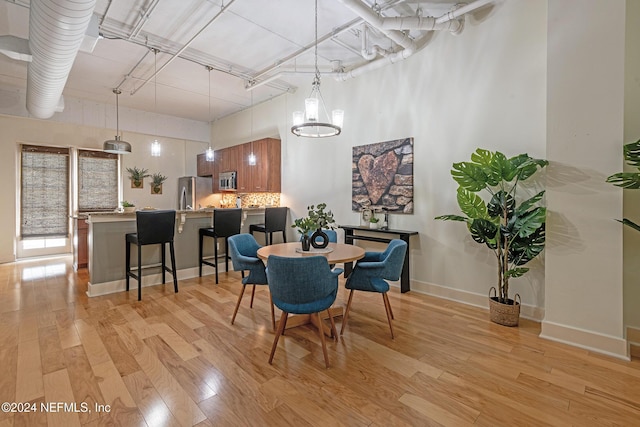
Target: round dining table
[{"x": 334, "y": 252}]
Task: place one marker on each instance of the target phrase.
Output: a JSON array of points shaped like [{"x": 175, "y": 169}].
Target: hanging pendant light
[
  {"x": 156, "y": 148},
  {"x": 116, "y": 145},
  {"x": 309, "y": 123},
  {"x": 209, "y": 154},
  {"x": 252, "y": 157}
]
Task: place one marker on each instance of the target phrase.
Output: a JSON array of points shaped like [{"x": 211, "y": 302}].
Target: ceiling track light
[
  {"x": 116, "y": 145},
  {"x": 307, "y": 123}
]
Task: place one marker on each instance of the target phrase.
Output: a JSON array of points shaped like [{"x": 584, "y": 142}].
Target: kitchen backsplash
[{"x": 250, "y": 200}]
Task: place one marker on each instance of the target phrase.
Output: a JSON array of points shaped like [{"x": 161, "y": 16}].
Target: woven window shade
[
  {"x": 44, "y": 204},
  {"x": 97, "y": 181}
]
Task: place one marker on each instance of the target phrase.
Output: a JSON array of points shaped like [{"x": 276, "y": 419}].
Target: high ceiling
[{"x": 266, "y": 43}]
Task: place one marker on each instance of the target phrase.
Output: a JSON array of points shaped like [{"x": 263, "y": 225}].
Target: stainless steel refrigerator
[{"x": 194, "y": 192}]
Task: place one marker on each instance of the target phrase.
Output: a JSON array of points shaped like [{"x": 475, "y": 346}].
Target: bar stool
[
  {"x": 275, "y": 219},
  {"x": 153, "y": 228},
  {"x": 226, "y": 222}
]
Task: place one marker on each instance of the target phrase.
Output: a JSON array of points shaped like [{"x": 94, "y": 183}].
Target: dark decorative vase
[
  {"x": 319, "y": 235},
  {"x": 306, "y": 242}
]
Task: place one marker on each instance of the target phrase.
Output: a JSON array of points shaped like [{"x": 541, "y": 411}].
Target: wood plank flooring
[{"x": 175, "y": 360}]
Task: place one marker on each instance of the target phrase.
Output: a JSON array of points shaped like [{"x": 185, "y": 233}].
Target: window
[
  {"x": 97, "y": 181},
  {"x": 44, "y": 192}
]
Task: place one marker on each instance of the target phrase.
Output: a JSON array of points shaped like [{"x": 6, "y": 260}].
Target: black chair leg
[
  {"x": 127, "y": 263},
  {"x": 200, "y": 255},
  {"x": 173, "y": 266},
  {"x": 139, "y": 272},
  {"x": 284, "y": 236},
  {"x": 215, "y": 256},
  {"x": 164, "y": 262},
  {"x": 226, "y": 255}
]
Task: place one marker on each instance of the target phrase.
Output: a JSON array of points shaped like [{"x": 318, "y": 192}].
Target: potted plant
[
  {"x": 137, "y": 176},
  {"x": 305, "y": 225},
  {"x": 156, "y": 183},
  {"x": 128, "y": 207},
  {"x": 629, "y": 180},
  {"x": 373, "y": 222},
  {"x": 512, "y": 228},
  {"x": 316, "y": 220}
]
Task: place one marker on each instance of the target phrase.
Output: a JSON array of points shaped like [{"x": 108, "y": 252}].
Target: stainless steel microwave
[{"x": 227, "y": 181}]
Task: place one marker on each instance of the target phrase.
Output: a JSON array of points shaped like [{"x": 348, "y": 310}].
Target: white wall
[
  {"x": 178, "y": 159},
  {"x": 483, "y": 88},
  {"x": 585, "y": 132},
  {"x": 632, "y": 197},
  {"x": 488, "y": 88}
]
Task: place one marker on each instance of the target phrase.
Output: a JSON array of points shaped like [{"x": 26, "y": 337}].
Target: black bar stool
[
  {"x": 153, "y": 228},
  {"x": 275, "y": 219},
  {"x": 226, "y": 222}
]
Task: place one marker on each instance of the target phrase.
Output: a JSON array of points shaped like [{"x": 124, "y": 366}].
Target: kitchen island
[{"x": 106, "y": 246}]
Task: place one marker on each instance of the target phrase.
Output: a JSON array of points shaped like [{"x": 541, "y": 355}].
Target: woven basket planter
[{"x": 504, "y": 314}]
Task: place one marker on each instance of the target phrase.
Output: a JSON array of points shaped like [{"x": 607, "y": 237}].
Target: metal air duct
[{"x": 56, "y": 31}]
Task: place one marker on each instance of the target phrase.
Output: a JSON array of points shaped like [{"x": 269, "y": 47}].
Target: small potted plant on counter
[
  {"x": 137, "y": 176},
  {"x": 373, "y": 222},
  {"x": 156, "y": 183},
  {"x": 128, "y": 207}
]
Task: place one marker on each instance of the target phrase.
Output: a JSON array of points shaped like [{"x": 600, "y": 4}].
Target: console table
[{"x": 404, "y": 235}]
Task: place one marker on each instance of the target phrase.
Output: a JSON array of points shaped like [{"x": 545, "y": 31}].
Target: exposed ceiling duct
[
  {"x": 56, "y": 32},
  {"x": 397, "y": 29}
]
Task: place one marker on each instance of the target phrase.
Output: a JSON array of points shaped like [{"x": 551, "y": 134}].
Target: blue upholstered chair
[
  {"x": 302, "y": 286},
  {"x": 243, "y": 250},
  {"x": 372, "y": 272}
]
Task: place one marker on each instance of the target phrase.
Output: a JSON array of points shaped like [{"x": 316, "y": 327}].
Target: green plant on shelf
[{"x": 126, "y": 204}]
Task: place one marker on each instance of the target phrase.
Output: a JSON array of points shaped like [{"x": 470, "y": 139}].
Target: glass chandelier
[{"x": 308, "y": 123}]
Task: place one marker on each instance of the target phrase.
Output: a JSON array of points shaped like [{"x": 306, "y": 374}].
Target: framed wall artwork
[{"x": 382, "y": 177}]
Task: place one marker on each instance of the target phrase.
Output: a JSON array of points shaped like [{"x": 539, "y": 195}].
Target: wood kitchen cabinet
[
  {"x": 203, "y": 166},
  {"x": 244, "y": 169},
  {"x": 264, "y": 176}
]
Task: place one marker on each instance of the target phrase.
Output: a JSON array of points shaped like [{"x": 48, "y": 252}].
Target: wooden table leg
[{"x": 304, "y": 319}]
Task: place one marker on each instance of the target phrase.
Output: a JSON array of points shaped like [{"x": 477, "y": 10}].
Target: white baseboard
[
  {"x": 592, "y": 341},
  {"x": 94, "y": 290},
  {"x": 471, "y": 298},
  {"x": 589, "y": 340}
]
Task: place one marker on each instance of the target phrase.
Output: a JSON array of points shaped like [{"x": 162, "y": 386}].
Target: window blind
[
  {"x": 44, "y": 195},
  {"x": 97, "y": 181}
]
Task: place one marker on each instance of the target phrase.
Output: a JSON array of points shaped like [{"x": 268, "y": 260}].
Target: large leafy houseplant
[
  {"x": 629, "y": 180},
  {"x": 514, "y": 230}
]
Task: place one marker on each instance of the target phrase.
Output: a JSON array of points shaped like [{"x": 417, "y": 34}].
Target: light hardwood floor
[{"x": 174, "y": 359}]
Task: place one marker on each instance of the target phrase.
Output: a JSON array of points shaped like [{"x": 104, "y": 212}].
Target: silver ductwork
[
  {"x": 396, "y": 29},
  {"x": 56, "y": 31}
]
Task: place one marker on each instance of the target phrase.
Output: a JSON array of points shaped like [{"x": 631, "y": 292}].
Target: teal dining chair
[
  {"x": 243, "y": 250},
  {"x": 371, "y": 274},
  {"x": 303, "y": 285}
]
